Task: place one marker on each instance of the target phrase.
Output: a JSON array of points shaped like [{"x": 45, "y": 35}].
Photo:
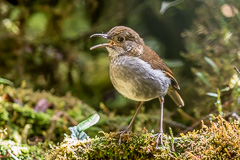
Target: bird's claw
[
  {"x": 155, "y": 135},
  {"x": 121, "y": 134},
  {"x": 159, "y": 138}
]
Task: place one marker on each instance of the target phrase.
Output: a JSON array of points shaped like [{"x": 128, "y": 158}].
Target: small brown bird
[{"x": 137, "y": 72}]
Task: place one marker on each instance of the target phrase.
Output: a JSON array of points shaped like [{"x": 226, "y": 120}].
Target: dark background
[{"x": 46, "y": 44}]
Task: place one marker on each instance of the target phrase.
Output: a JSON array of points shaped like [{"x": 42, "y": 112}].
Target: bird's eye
[{"x": 120, "y": 39}]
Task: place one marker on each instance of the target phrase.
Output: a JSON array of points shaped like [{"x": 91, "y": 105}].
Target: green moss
[
  {"x": 219, "y": 140},
  {"x": 9, "y": 149},
  {"x": 18, "y": 114}
]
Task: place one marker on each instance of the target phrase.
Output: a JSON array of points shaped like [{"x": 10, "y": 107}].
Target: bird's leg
[
  {"x": 160, "y": 133},
  {"x": 130, "y": 125}
]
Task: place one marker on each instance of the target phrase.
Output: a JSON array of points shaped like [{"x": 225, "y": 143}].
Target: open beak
[{"x": 100, "y": 45}]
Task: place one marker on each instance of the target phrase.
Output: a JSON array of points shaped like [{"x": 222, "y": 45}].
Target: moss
[
  {"x": 9, "y": 149},
  {"x": 220, "y": 140},
  {"x": 19, "y": 114},
  {"x": 106, "y": 147}
]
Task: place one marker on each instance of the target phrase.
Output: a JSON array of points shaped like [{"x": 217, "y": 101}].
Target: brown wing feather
[
  {"x": 175, "y": 96},
  {"x": 157, "y": 63}
]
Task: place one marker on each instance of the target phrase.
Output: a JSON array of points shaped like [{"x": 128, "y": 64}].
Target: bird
[{"x": 137, "y": 72}]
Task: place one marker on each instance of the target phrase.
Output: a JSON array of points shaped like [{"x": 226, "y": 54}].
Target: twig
[
  {"x": 4, "y": 156},
  {"x": 13, "y": 156},
  {"x": 237, "y": 70},
  {"x": 175, "y": 124},
  {"x": 53, "y": 120}
]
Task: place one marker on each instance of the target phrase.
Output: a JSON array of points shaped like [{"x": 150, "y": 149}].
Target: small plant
[
  {"x": 218, "y": 103},
  {"x": 6, "y": 82},
  {"x": 78, "y": 131}
]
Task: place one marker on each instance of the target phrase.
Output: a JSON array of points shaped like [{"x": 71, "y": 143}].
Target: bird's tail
[{"x": 175, "y": 96}]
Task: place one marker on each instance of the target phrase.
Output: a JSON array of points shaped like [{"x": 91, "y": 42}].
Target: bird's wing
[{"x": 157, "y": 63}]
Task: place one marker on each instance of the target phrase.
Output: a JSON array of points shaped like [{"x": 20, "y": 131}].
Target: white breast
[{"x": 137, "y": 80}]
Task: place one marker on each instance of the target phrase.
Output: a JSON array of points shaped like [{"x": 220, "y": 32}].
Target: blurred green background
[{"x": 46, "y": 43}]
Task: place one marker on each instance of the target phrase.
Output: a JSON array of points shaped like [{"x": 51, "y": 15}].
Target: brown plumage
[
  {"x": 137, "y": 72},
  {"x": 157, "y": 63}
]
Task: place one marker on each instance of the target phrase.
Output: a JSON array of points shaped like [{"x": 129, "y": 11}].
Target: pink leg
[
  {"x": 160, "y": 133},
  {"x": 130, "y": 125}
]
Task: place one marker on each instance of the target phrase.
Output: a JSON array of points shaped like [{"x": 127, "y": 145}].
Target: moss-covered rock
[{"x": 220, "y": 140}]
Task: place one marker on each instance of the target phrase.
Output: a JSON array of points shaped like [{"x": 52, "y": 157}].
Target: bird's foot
[
  {"x": 122, "y": 133},
  {"x": 159, "y": 138}
]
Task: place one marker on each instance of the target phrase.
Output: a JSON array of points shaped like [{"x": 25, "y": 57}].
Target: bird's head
[{"x": 122, "y": 40}]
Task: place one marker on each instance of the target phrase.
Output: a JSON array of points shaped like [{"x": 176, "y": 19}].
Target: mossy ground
[
  {"x": 30, "y": 121},
  {"x": 10, "y": 149},
  {"x": 27, "y": 133},
  {"x": 39, "y": 116},
  {"x": 220, "y": 140}
]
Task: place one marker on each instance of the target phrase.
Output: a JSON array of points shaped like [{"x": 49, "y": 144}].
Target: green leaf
[
  {"x": 203, "y": 78},
  {"x": 82, "y": 136},
  {"x": 171, "y": 134},
  {"x": 76, "y": 134},
  {"x": 225, "y": 89},
  {"x": 212, "y": 64},
  {"x": 166, "y": 5},
  {"x": 212, "y": 94},
  {"x": 88, "y": 122},
  {"x": 5, "y": 81},
  {"x": 15, "y": 13},
  {"x": 77, "y": 131}
]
